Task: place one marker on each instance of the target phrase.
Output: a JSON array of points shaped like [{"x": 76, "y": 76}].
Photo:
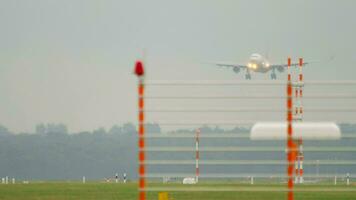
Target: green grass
[{"x": 104, "y": 191}]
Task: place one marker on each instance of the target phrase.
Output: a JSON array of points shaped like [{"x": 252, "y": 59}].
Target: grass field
[{"x": 104, "y": 191}]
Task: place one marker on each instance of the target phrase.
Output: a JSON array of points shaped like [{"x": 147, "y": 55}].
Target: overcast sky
[{"x": 71, "y": 61}]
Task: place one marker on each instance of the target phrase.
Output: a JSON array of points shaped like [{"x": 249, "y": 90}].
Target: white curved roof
[{"x": 304, "y": 130}]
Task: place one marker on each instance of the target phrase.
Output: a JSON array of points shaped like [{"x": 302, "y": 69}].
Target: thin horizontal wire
[
  {"x": 227, "y": 110},
  {"x": 210, "y": 135},
  {"x": 328, "y": 96},
  {"x": 331, "y": 82},
  {"x": 245, "y": 162},
  {"x": 245, "y": 175},
  {"x": 216, "y": 110},
  {"x": 330, "y": 109},
  {"x": 321, "y": 96},
  {"x": 246, "y": 149},
  {"x": 210, "y": 82},
  {"x": 244, "y": 83},
  {"x": 227, "y": 122},
  {"x": 184, "y": 123},
  {"x": 217, "y": 97},
  {"x": 193, "y": 135},
  {"x": 243, "y": 189}
]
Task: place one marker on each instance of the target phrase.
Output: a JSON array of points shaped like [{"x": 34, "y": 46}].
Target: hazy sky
[{"x": 71, "y": 61}]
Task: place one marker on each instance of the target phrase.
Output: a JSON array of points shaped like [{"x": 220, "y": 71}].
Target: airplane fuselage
[{"x": 258, "y": 63}]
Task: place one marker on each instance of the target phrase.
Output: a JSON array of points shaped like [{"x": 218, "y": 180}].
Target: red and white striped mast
[
  {"x": 299, "y": 117},
  {"x": 197, "y": 155},
  {"x": 290, "y": 143},
  {"x": 300, "y": 113},
  {"x": 139, "y": 71}
]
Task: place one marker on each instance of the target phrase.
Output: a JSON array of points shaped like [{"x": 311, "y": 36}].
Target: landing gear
[
  {"x": 273, "y": 76},
  {"x": 248, "y": 76}
]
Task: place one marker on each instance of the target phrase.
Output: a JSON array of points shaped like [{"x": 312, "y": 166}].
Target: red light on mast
[{"x": 139, "y": 71}]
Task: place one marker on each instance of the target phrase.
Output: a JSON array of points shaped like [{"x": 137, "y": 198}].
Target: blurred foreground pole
[{"x": 290, "y": 144}]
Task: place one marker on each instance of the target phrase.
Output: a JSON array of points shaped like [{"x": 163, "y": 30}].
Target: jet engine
[
  {"x": 236, "y": 70},
  {"x": 280, "y": 69}
]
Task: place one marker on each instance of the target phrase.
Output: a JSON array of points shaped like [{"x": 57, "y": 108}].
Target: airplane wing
[{"x": 233, "y": 65}]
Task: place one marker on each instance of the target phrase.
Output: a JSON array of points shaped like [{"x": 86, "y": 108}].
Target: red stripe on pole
[
  {"x": 140, "y": 116},
  {"x": 141, "y": 156},
  {"x": 290, "y": 183},
  {"x": 142, "y": 182},
  {"x": 142, "y": 195},
  {"x": 290, "y": 116},
  {"x": 140, "y": 89},
  {"x": 290, "y": 147},
  {"x": 140, "y": 103},
  {"x": 290, "y": 174},
  {"x": 141, "y": 142},
  {"x": 289, "y": 132},
  {"x": 289, "y": 104},
  {"x": 289, "y": 91},
  {"x": 290, "y": 196},
  {"x": 300, "y": 62},
  {"x": 141, "y": 170},
  {"x": 141, "y": 130},
  {"x": 289, "y": 62}
]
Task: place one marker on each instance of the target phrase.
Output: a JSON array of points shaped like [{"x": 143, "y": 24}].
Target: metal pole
[{"x": 139, "y": 71}]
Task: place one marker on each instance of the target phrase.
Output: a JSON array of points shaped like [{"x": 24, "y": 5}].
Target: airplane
[{"x": 259, "y": 64}]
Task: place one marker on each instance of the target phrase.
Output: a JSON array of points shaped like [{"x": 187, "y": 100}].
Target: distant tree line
[{"x": 52, "y": 152}]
